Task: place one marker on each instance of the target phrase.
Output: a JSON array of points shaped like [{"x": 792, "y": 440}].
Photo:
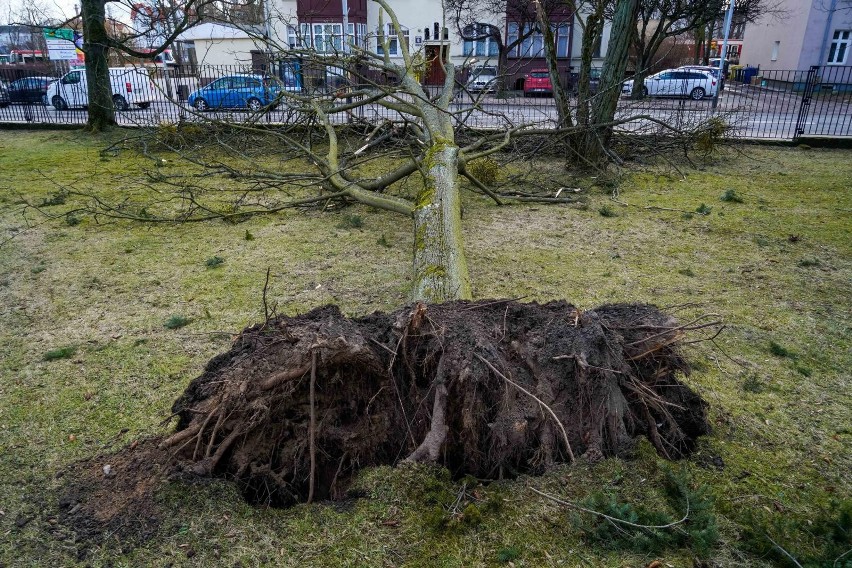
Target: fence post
[{"x": 805, "y": 103}]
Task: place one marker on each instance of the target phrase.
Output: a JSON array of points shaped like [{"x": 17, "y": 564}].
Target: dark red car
[{"x": 537, "y": 82}]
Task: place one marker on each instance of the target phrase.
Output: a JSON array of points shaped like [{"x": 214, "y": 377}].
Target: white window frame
[
  {"x": 533, "y": 45},
  {"x": 356, "y": 34},
  {"x": 393, "y": 41},
  {"x": 327, "y": 37},
  {"x": 841, "y": 43},
  {"x": 487, "y": 46},
  {"x": 776, "y": 47}
]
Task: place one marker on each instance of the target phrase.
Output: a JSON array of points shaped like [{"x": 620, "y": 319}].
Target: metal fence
[{"x": 780, "y": 105}]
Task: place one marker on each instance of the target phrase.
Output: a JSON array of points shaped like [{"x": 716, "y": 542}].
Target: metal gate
[{"x": 825, "y": 108}]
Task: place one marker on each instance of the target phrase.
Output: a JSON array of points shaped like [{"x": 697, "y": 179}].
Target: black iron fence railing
[{"x": 782, "y": 105}]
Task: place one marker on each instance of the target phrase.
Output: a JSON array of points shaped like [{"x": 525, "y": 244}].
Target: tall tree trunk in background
[
  {"x": 96, "y": 48},
  {"x": 612, "y": 75},
  {"x": 560, "y": 97},
  {"x": 593, "y": 31}
]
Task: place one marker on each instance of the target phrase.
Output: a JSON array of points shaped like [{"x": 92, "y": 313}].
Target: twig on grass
[
  {"x": 613, "y": 519},
  {"x": 787, "y": 554}
]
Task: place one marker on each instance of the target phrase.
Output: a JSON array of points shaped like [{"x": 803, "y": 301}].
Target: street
[{"x": 753, "y": 113}]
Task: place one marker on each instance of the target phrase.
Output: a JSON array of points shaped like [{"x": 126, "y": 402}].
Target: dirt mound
[{"x": 489, "y": 388}]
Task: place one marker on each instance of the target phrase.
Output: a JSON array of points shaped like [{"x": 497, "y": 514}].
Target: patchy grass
[{"x": 777, "y": 464}]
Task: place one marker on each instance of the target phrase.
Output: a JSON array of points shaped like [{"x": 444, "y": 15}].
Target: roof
[{"x": 209, "y": 30}]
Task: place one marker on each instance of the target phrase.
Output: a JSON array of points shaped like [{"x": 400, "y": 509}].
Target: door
[
  {"x": 72, "y": 88},
  {"x": 217, "y": 92},
  {"x": 435, "y": 73},
  {"x": 681, "y": 84},
  {"x": 661, "y": 85}
]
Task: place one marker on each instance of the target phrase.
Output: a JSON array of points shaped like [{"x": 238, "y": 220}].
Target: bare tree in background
[
  {"x": 99, "y": 41},
  {"x": 659, "y": 20}
]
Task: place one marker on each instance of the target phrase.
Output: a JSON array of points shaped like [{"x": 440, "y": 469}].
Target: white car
[
  {"x": 690, "y": 83},
  {"x": 130, "y": 86},
  {"x": 482, "y": 80}
]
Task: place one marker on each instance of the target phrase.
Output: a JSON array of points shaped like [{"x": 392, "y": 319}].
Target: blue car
[{"x": 252, "y": 92}]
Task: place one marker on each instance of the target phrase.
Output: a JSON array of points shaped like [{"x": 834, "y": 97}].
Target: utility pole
[
  {"x": 344, "y": 5},
  {"x": 728, "y": 17}
]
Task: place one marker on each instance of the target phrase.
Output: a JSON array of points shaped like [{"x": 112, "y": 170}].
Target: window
[
  {"x": 839, "y": 47},
  {"x": 393, "y": 41},
  {"x": 533, "y": 44},
  {"x": 355, "y": 34},
  {"x": 775, "y": 47},
  {"x": 71, "y": 78},
  {"x": 481, "y": 40},
  {"x": 328, "y": 38},
  {"x": 562, "y": 34},
  {"x": 297, "y": 39}
]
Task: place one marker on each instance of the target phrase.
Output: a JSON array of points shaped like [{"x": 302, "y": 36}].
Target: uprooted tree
[{"x": 490, "y": 388}]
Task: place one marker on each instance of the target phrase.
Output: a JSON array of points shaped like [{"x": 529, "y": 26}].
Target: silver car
[
  {"x": 482, "y": 80},
  {"x": 694, "y": 84}
]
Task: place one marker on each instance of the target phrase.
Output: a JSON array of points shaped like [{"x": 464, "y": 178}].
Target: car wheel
[
  {"x": 200, "y": 105},
  {"x": 119, "y": 102},
  {"x": 254, "y": 105},
  {"x": 644, "y": 91},
  {"x": 697, "y": 94},
  {"x": 59, "y": 103},
  {"x": 143, "y": 106}
]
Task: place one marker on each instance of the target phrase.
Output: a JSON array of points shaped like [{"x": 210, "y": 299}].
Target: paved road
[{"x": 754, "y": 112}]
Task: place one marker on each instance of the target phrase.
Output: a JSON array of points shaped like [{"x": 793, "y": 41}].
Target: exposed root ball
[{"x": 485, "y": 388}]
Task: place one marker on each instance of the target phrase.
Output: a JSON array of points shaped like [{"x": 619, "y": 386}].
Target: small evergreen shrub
[
  {"x": 60, "y": 353},
  {"x": 175, "y": 322}
]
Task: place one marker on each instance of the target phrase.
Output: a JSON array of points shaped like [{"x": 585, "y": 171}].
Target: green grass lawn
[{"x": 88, "y": 363}]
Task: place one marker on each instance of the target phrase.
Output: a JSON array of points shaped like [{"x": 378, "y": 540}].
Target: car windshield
[
  {"x": 484, "y": 72},
  {"x": 273, "y": 82}
]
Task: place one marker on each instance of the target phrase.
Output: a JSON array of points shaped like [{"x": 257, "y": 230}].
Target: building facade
[
  {"x": 814, "y": 32},
  {"x": 508, "y": 38}
]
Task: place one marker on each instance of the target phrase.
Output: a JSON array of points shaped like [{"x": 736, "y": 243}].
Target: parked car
[
  {"x": 130, "y": 86},
  {"x": 4, "y": 95},
  {"x": 676, "y": 83},
  {"x": 537, "y": 82},
  {"x": 253, "y": 92},
  {"x": 30, "y": 90},
  {"x": 482, "y": 80}
]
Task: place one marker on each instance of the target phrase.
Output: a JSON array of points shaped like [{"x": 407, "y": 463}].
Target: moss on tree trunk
[{"x": 440, "y": 267}]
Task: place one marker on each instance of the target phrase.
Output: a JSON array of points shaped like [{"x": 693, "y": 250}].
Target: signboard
[{"x": 64, "y": 44}]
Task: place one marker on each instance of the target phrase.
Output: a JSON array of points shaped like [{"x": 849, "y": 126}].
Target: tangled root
[{"x": 488, "y": 388}]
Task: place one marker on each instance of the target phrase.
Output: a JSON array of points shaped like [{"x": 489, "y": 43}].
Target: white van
[{"x": 130, "y": 86}]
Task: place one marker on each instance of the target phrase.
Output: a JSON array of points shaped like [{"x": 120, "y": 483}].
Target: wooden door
[{"x": 435, "y": 74}]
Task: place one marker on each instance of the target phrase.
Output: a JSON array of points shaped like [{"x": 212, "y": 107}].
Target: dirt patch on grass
[{"x": 489, "y": 389}]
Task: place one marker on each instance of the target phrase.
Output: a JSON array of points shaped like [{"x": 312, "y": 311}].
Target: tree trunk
[
  {"x": 96, "y": 48},
  {"x": 594, "y": 25},
  {"x": 440, "y": 267},
  {"x": 612, "y": 75},
  {"x": 560, "y": 97},
  {"x": 639, "y": 76}
]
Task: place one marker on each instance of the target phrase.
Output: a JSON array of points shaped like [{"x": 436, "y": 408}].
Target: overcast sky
[{"x": 54, "y": 9}]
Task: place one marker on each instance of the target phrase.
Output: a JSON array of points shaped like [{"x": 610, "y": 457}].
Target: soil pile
[{"x": 488, "y": 388}]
